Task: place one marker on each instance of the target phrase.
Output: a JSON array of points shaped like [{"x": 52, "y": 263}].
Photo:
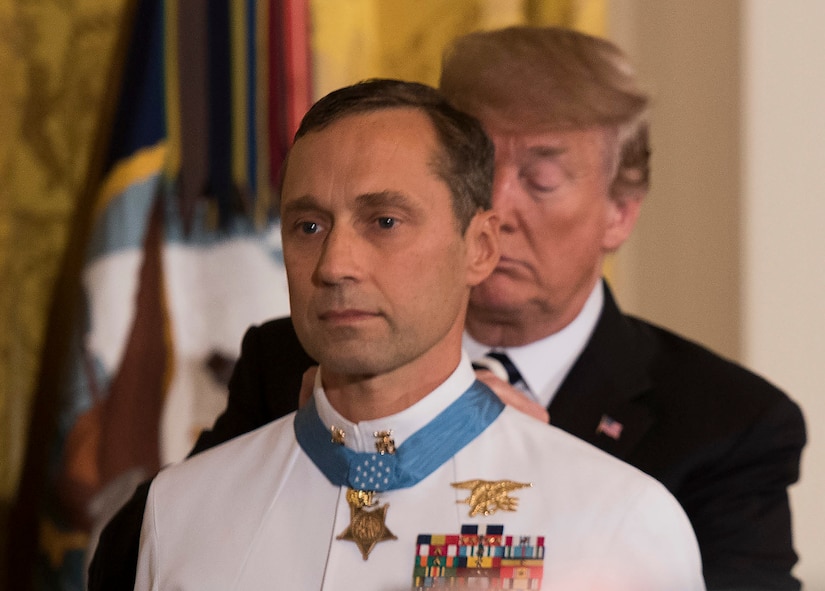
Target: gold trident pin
[{"x": 488, "y": 496}]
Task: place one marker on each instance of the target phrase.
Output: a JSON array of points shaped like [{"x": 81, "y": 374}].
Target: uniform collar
[{"x": 360, "y": 436}]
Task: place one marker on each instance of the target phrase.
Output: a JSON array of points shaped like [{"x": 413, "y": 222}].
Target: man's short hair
[
  {"x": 549, "y": 79},
  {"x": 466, "y": 158}
]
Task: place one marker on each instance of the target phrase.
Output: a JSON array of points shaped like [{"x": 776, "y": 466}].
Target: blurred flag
[{"x": 183, "y": 254}]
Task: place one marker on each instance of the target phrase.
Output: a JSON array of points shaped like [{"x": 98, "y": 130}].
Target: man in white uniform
[{"x": 402, "y": 471}]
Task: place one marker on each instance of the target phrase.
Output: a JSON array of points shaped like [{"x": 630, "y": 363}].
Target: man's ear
[
  {"x": 481, "y": 238},
  {"x": 623, "y": 211}
]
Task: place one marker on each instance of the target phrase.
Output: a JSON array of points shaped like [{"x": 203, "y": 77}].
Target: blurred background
[{"x": 139, "y": 144}]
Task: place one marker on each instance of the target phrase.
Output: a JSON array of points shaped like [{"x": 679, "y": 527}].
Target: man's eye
[
  {"x": 540, "y": 184},
  {"x": 309, "y": 227},
  {"x": 541, "y": 188},
  {"x": 386, "y": 222},
  {"x": 542, "y": 178}
]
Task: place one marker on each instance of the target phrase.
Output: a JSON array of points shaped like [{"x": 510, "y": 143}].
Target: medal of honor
[
  {"x": 391, "y": 467},
  {"x": 367, "y": 527}
]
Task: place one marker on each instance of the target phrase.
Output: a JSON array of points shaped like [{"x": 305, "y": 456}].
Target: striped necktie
[{"x": 501, "y": 366}]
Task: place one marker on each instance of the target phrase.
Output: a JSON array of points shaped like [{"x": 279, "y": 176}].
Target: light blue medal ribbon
[{"x": 415, "y": 459}]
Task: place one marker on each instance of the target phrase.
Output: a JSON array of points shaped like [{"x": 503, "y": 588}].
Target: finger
[{"x": 512, "y": 396}]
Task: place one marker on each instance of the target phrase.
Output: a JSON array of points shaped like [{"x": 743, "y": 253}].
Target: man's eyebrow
[
  {"x": 388, "y": 198},
  {"x": 302, "y": 203},
  {"x": 544, "y": 151},
  {"x": 384, "y": 198}
]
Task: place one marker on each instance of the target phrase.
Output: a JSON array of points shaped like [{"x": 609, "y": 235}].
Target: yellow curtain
[
  {"x": 357, "y": 39},
  {"x": 53, "y": 59}
]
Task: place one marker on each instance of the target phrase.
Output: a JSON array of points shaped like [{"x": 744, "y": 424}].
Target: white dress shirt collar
[{"x": 360, "y": 436}]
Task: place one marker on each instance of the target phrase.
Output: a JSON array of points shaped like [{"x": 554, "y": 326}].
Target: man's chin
[
  {"x": 348, "y": 351},
  {"x": 497, "y": 295},
  {"x": 357, "y": 364}
]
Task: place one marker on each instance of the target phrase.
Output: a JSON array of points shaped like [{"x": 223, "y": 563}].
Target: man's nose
[
  {"x": 505, "y": 196},
  {"x": 339, "y": 259}
]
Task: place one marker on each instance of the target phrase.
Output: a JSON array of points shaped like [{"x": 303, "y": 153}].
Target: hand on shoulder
[{"x": 512, "y": 396}]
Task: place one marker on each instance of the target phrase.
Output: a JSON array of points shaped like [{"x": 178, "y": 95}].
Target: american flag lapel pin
[{"x": 610, "y": 427}]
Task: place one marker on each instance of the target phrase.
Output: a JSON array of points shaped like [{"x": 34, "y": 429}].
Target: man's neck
[
  {"x": 544, "y": 363},
  {"x": 363, "y": 398},
  {"x": 498, "y": 329}
]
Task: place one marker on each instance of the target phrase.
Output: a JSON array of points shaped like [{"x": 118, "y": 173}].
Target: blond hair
[{"x": 551, "y": 78}]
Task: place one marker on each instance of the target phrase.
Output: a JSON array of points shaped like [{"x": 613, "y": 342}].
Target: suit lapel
[{"x": 602, "y": 400}]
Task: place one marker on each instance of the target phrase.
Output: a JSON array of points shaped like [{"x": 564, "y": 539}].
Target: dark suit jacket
[{"x": 724, "y": 441}]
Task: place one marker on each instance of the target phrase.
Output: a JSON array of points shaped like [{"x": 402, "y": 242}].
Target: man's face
[
  {"x": 558, "y": 222},
  {"x": 377, "y": 267}
]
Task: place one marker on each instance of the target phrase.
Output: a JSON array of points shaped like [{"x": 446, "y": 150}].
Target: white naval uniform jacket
[{"x": 255, "y": 513}]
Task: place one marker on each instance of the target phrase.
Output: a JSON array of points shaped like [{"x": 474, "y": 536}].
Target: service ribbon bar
[{"x": 484, "y": 558}]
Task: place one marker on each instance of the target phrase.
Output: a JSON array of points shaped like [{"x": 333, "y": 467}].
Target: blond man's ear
[
  {"x": 623, "y": 212},
  {"x": 482, "y": 246}
]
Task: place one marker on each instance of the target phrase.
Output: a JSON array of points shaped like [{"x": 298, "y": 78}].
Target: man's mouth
[{"x": 346, "y": 315}]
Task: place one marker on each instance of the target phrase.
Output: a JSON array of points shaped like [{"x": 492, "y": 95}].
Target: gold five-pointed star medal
[
  {"x": 488, "y": 496},
  {"x": 366, "y": 527}
]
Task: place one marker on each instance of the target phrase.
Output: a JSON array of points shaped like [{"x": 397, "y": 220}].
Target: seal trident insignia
[{"x": 488, "y": 496}]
